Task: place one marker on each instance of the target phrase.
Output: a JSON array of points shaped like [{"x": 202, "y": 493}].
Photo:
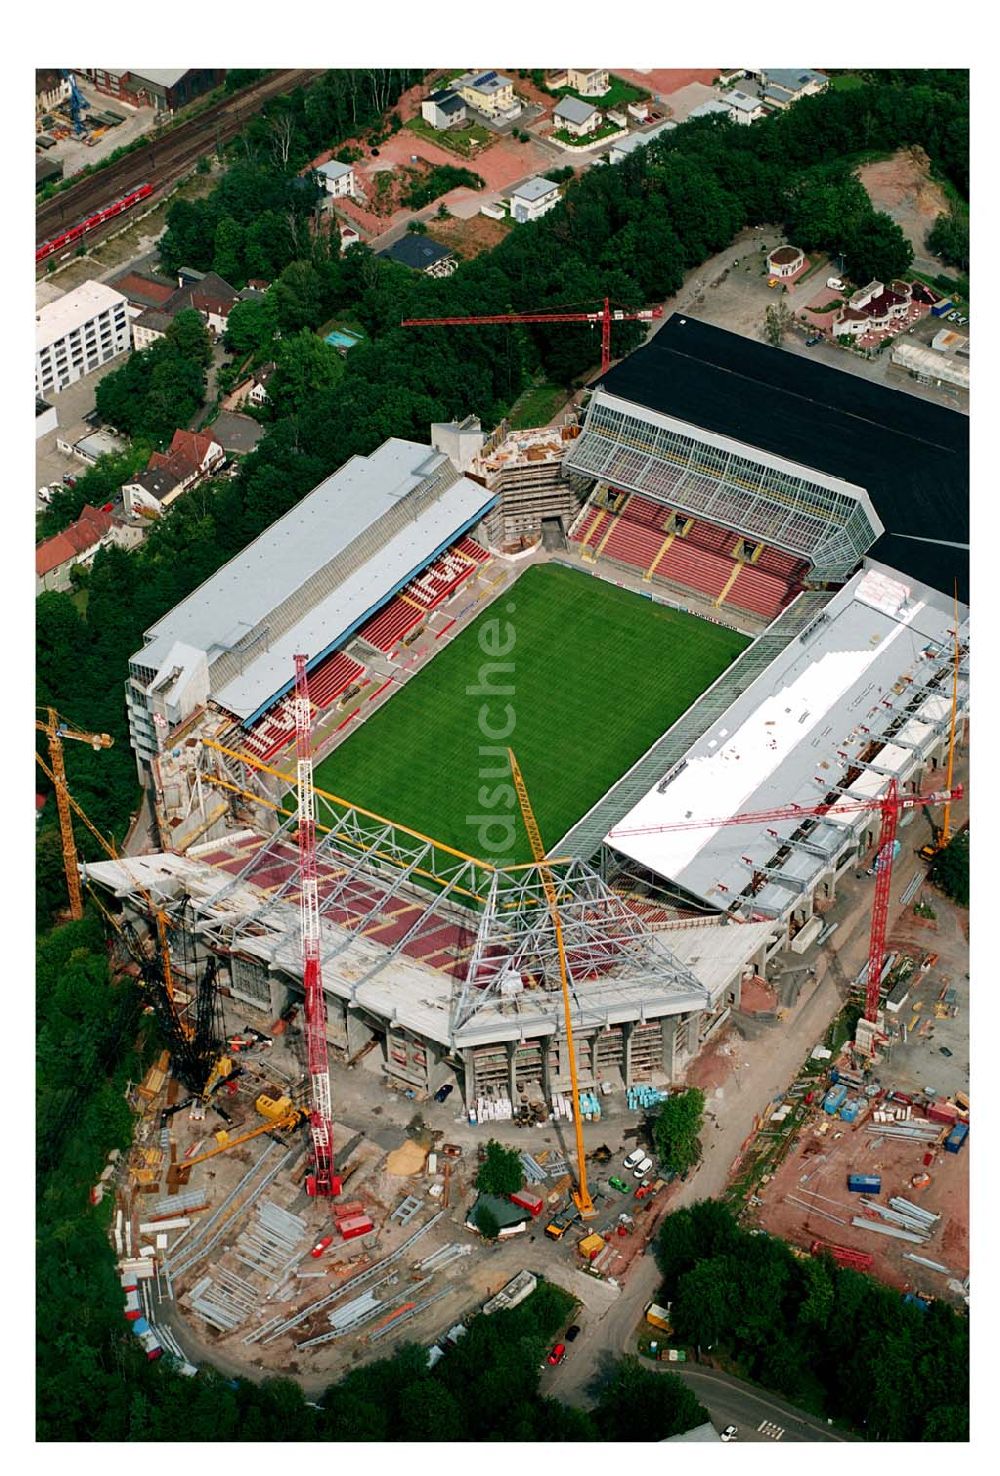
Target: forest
[
  {"x": 631, "y": 232},
  {"x": 830, "y": 1340}
]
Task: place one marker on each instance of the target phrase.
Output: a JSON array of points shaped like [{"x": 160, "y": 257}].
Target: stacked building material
[{"x": 641, "y": 1097}]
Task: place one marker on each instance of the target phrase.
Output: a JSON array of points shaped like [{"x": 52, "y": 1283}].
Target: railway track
[{"x": 163, "y": 160}]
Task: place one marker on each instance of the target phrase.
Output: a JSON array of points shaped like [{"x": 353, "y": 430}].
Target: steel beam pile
[
  {"x": 272, "y": 1246},
  {"x": 225, "y": 1300},
  {"x": 390, "y": 1327},
  {"x": 897, "y": 1234},
  {"x": 454, "y": 1251}
]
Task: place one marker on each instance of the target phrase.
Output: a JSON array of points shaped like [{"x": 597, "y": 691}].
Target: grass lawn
[
  {"x": 588, "y": 140},
  {"x": 618, "y": 95},
  {"x": 537, "y": 405},
  {"x": 471, "y": 139},
  {"x": 598, "y": 674},
  {"x": 847, "y": 82}
]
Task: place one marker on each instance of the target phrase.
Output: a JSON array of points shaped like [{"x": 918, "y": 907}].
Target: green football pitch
[{"x": 592, "y": 675}]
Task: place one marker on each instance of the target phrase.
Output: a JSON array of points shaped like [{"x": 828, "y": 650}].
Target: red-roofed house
[
  {"x": 191, "y": 456},
  {"x": 77, "y": 544}
]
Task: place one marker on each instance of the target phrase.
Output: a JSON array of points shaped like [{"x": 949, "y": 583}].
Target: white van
[
  {"x": 835, "y": 284},
  {"x": 636, "y": 1156},
  {"x": 642, "y": 1169}
]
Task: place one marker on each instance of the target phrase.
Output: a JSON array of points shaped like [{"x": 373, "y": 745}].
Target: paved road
[{"x": 729, "y": 1401}]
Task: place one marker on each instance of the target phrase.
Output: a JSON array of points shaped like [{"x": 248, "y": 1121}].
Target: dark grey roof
[
  {"x": 910, "y": 455},
  {"x": 155, "y": 320},
  {"x": 418, "y": 252},
  {"x": 237, "y": 433},
  {"x": 158, "y": 482}
]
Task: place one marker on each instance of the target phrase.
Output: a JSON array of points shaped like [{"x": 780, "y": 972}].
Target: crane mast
[
  {"x": 322, "y": 1182},
  {"x": 584, "y": 1203}
]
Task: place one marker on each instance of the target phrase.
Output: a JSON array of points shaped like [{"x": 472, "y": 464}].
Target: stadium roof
[
  {"x": 240, "y": 599},
  {"x": 910, "y": 455},
  {"x": 861, "y": 668}
]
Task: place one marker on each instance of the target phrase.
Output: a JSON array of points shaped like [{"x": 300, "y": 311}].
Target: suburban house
[
  {"x": 532, "y": 199},
  {"x": 576, "y": 117},
  {"x": 421, "y": 254},
  {"x": 336, "y": 178},
  {"x": 707, "y": 109},
  {"x": 77, "y": 544},
  {"x": 78, "y": 333},
  {"x": 490, "y": 93},
  {"x": 784, "y": 85},
  {"x": 149, "y": 326},
  {"x": 212, "y": 297},
  {"x": 622, "y": 147},
  {"x": 591, "y": 81},
  {"x": 443, "y": 109},
  {"x": 191, "y": 456},
  {"x": 744, "y": 108}
]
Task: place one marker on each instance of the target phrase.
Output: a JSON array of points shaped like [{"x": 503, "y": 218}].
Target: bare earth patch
[
  {"x": 469, "y": 238},
  {"x": 903, "y": 188}
]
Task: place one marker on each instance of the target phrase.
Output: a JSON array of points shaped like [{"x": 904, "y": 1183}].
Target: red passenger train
[{"x": 76, "y": 232}]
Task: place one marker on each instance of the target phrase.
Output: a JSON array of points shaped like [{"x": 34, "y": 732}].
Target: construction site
[{"x": 351, "y": 1007}]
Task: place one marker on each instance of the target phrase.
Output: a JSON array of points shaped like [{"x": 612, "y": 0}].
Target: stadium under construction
[{"x": 820, "y": 519}]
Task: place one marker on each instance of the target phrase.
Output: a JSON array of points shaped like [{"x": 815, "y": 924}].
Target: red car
[
  {"x": 557, "y": 1355},
  {"x": 321, "y": 1246}
]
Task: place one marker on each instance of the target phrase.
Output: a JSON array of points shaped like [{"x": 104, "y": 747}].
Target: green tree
[
  {"x": 948, "y": 238},
  {"x": 676, "y": 1128},
  {"x": 876, "y": 249},
  {"x": 638, "y": 1404},
  {"x": 227, "y": 255},
  {"x": 189, "y": 336},
  {"x": 251, "y": 325},
  {"x": 298, "y": 297},
  {"x": 950, "y": 869},
  {"x": 305, "y": 368},
  {"x": 501, "y": 1172}
]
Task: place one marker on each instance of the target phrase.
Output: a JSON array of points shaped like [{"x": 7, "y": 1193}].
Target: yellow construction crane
[
  {"x": 289, "y": 1118},
  {"x": 581, "y": 1195},
  {"x": 109, "y": 848},
  {"x": 56, "y": 731}
]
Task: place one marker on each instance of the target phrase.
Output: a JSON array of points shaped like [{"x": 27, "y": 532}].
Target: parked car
[
  {"x": 642, "y": 1169},
  {"x": 572, "y": 1333},
  {"x": 816, "y": 338},
  {"x": 952, "y": 317},
  {"x": 618, "y": 1184},
  {"x": 321, "y": 1246},
  {"x": 729, "y": 1433},
  {"x": 557, "y": 1355},
  {"x": 443, "y": 1093},
  {"x": 636, "y": 1156},
  {"x": 944, "y": 1051}
]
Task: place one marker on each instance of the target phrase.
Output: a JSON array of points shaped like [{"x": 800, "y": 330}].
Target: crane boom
[
  {"x": 56, "y": 731},
  {"x": 322, "y": 1181},
  {"x": 584, "y": 1203},
  {"x": 606, "y": 316},
  {"x": 795, "y": 812}
]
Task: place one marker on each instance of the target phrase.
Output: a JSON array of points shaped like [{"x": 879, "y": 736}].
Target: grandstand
[
  {"x": 822, "y": 464},
  {"x": 367, "y": 554},
  {"x": 860, "y": 697}
]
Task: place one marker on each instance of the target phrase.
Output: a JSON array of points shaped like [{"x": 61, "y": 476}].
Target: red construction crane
[
  {"x": 322, "y": 1181},
  {"x": 605, "y": 317},
  {"x": 890, "y": 804}
]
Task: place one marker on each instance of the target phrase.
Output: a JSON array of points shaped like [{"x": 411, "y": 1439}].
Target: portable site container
[
  {"x": 834, "y": 1100},
  {"x": 864, "y": 1183},
  {"x": 355, "y": 1225},
  {"x": 133, "y": 1307},
  {"x": 942, "y": 1112},
  {"x": 524, "y": 1199},
  {"x": 850, "y": 1110},
  {"x": 590, "y": 1246},
  {"x": 956, "y": 1138}
]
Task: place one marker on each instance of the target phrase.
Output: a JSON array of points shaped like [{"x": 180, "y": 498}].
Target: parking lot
[{"x": 72, "y": 406}]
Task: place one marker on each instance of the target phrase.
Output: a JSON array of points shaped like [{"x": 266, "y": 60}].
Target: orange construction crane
[
  {"x": 581, "y": 1196},
  {"x": 890, "y": 805},
  {"x": 56, "y": 730},
  {"x": 606, "y": 316}
]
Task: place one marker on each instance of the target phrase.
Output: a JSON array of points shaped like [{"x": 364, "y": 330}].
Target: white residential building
[
  {"x": 533, "y": 198},
  {"x": 590, "y": 81},
  {"x": 576, "y": 117},
  {"x": 743, "y": 107},
  {"x": 78, "y": 333},
  {"x": 337, "y": 178},
  {"x": 490, "y": 93},
  {"x": 622, "y": 147}
]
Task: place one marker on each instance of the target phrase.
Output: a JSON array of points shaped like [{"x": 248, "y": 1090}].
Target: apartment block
[{"x": 78, "y": 333}]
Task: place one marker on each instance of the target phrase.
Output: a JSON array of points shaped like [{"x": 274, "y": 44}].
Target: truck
[
  {"x": 560, "y": 1223},
  {"x": 658, "y": 1316}
]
